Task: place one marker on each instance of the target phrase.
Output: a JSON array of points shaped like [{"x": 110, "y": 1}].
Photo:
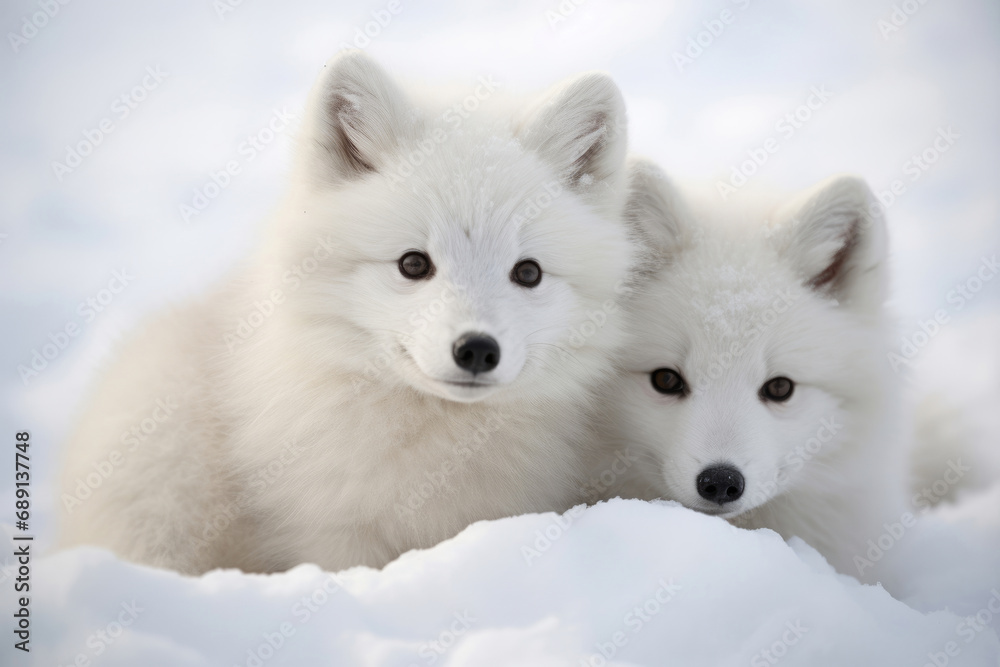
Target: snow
[
  {"x": 620, "y": 583},
  {"x": 227, "y": 73}
]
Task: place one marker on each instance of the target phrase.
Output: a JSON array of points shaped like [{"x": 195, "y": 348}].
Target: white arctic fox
[
  {"x": 395, "y": 363},
  {"x": 755, "y": 386}
]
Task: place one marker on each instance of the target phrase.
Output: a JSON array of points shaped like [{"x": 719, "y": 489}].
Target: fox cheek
[{"x": 418, "y": 323}]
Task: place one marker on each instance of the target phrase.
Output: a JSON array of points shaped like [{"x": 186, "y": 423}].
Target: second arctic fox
[{"x": 755, "y": 385}]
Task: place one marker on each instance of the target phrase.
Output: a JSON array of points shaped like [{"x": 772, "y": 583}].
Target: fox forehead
[
  {"x": 721, "y": 287},
  {"x": 487, "y": 195},
  {"x": 479, "y": 179}
]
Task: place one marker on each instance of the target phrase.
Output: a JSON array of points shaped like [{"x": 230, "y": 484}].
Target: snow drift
[{"x": 621, "y": 583}]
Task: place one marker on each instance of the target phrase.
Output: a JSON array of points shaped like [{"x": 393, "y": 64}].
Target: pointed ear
[
  {"x": 655, "y": 212},
  {"x": 580, "y": 129},
  {"x": 356, "y": 117},
  {"x": 835, "y": 238}
]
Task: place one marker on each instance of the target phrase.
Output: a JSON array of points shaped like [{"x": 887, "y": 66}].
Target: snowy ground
[
  {"x": 625, "y": 583},
  {"x": 223, "y": 75}
]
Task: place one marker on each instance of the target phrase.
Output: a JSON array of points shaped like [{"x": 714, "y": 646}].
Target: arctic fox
[
  {"x": 755, "y": 385},
  {"x": 396, "y": 361}
]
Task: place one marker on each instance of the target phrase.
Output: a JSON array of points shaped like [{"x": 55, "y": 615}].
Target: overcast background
[{"x": 227, "y": 72}]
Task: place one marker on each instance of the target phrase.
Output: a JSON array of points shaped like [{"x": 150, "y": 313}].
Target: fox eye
[
  {"x": 416, "y": 265},
  {"x": 777, "y": 389},
  {"x": 526, "y": 273},
  {"x": 668, "y": 381}
]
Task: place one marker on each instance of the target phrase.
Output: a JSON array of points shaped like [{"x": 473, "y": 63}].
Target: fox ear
[
  {"x": 580, "y": 129},
  {"x": 655, "y": 212},
  {"x": 356, "y": 117},
  {"x": 835, "y": 237}
]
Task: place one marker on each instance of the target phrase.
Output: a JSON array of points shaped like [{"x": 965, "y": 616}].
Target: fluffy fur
[
  {"x": 743, "y": 296},
  {"x": 318, "y": 414}
]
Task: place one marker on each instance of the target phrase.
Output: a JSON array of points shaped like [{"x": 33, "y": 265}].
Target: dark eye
[
  {"x": 526, "y": 273},
  {"x": 777, "y": 389},
  {"x": 416, "y": 265},
  {"x": 668, "y": 381}
]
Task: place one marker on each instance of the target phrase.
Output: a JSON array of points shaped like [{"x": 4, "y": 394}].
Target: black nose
[
  {"x": 720, "y": 485},
  {"x": 476, "y": 353}
]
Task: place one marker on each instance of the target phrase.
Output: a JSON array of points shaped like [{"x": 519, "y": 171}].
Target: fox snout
[
  {"x": 476, "y": 352},
  {"x": 720, "y": 484}
]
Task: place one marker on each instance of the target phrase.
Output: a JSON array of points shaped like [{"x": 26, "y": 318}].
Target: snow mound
[{"x": 621, "y": 583}]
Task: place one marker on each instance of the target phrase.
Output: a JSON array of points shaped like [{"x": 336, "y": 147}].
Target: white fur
[
  {"x": 722, "y": 279},
  {"x": 330, "y": 435}
]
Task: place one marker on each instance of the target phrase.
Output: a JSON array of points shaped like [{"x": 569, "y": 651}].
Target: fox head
[
  {"x": 464, "y": 241},
  {"x": 755, "y": 346}
]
